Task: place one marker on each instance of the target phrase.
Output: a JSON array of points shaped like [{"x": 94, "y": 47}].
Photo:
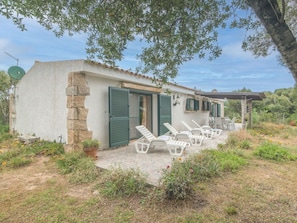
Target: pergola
[{"x": 246, "y": 101}]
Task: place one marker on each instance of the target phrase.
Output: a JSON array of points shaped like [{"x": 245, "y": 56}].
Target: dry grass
[{"x": 263, "y": 191}]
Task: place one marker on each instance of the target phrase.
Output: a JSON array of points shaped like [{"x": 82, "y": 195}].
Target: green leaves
[{"x": 174, "y": 31}]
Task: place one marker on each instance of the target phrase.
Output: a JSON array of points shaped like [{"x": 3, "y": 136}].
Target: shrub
[
  {"x": 117, "y": 181},
  {"x": 272, "y": 151},
  {"x": 177, "y": 180}
]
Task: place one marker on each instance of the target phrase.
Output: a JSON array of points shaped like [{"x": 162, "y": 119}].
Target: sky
[{"x": 233, "y": 70}]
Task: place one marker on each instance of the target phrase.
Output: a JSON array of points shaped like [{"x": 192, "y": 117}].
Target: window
[
  {"x": 206, "y": 106},
  {"x": 192, "y": 104}
]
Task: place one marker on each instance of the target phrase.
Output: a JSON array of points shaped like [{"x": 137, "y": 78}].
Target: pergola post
[
  {"x": 249, "y": 106},
  {"x": 243, "y": 112}
]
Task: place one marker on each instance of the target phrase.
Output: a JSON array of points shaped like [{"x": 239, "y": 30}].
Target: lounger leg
[
  {"x": 176, "y": 150},
  {"x": 141, "y": 147}
]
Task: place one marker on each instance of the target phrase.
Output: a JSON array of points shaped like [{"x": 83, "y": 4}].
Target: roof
[{"x": 233, "y": 95}]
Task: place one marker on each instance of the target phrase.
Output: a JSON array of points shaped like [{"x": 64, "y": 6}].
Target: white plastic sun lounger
[
  {"x": 148, "y": 140},
  {"x": 195, "y": 140},
  {"x": 208, "y": 128},
  {"x": 199, "y": 131}
]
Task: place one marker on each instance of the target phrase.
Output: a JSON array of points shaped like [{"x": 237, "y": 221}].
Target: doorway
[{"x": 140, "y": 112}]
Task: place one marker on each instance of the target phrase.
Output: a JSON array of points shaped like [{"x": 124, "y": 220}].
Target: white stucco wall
[{"x": 41, "y": 105}]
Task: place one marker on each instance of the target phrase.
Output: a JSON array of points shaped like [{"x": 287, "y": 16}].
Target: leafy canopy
[{"x": 173, "y": 31}]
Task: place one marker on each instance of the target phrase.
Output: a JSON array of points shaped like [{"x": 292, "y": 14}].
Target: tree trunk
[{"x": 269, "y": 13}]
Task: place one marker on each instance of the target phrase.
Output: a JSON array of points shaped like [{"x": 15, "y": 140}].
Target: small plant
[
  {"x": 90, "y": 144},
  {"x": 231, "y": 210},
  {"x": 245, "y": 144}
]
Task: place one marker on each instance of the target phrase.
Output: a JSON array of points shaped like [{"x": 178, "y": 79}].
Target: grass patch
[
  {"x": 21, "y": 155},
  {"x": 229, "y": 160},
  {"x": 272, "y": 151}
]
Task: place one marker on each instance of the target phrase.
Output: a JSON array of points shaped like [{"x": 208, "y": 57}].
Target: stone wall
[{"x": 77, "y": 129}]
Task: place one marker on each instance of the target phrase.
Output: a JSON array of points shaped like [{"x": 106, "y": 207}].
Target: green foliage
[
  {"x": 79, "y": 168},
  {"x": 188, "y": 28},
  {"x": 272, "y": 151},
  {"x": 43, "y": 147},
  {"x": 90, "y": 143},
  {"x": 5, "y": 85},
  {"x": 85, "y": 171},
  {"x": 119, "y": 182},
  {"x": 245, "y": 144},
  {"x": 231, "y": 210},
  {"x": 178, "y": 180},
  {"x": 17, "y": 162},
  {"x": 4, "y": 133},
  {"x": 67, "y": 162}
]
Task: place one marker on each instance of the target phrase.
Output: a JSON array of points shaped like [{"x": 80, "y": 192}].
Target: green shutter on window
[
  {"x": 188, "y": 104},
  {"x": 196, "y": 105},
  {"x": 219, "y": 110},
  {"x": 212, "y": 111}
]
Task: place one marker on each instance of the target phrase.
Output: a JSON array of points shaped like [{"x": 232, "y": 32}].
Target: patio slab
[{"x": 154, "y": 161}]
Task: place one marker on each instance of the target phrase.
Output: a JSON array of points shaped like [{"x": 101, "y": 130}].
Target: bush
[
  {"x": 272, "y": 151},
  {"x": 117, "y": 181}
]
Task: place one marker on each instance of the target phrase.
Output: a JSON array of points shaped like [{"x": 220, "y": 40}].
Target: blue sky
[{"x": 233, "y": 70}]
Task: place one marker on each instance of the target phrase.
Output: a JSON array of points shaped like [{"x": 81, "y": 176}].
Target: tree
[
  {"x": 174, "y": 30},
  {"x": 5, "y": 86}
]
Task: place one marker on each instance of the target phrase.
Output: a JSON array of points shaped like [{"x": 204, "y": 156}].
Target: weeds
[
  {"x": 79, "y": 168},
  {"x": 117, "y": 181}
]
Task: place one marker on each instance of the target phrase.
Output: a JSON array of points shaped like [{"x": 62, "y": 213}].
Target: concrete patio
[{"x": 155, "y": 160}]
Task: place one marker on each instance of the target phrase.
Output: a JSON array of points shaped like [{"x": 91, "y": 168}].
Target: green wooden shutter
[
  {"x": 196, "y": 105},
  {"x": 188, "y": 104},
  {"x": 118, "y": 117},
  {"x": 219, "y": 110},
  {"x": 164, "y": 113}
]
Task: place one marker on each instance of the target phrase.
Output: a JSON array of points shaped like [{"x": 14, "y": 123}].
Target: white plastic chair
[
  {"x": 148, "y": 140},
  {"x": 195, "y": 140}
]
